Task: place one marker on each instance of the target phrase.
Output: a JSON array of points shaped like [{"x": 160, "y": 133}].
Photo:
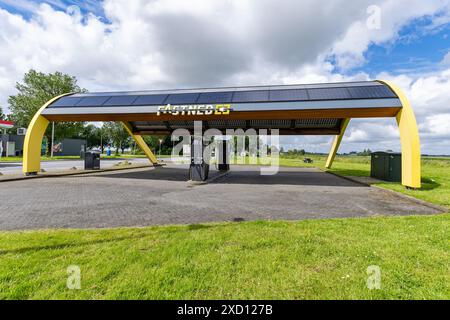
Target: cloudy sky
[{"x": 133, "y": 44}]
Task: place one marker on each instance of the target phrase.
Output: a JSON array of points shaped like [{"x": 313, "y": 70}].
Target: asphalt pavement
[{"x": 162, "y": 195}]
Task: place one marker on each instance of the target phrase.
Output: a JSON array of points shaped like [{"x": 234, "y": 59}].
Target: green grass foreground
[{"x": 311, "y": 259}]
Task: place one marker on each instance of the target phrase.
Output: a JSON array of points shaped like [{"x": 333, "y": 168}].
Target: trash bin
[
  {"x": 386, "y": 166},
  {"x": 91, "y": 161}
]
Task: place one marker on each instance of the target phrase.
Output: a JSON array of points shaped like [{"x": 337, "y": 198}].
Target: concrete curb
[
  {"x": 5, "y": 178},
  {"x": 346, "y": 178},
  {"x": 47, "y": 161},
  {"x": 402, "y": 195}
]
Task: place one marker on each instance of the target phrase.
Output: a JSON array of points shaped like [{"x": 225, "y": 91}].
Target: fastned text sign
[{"x": 195, "y": 110}]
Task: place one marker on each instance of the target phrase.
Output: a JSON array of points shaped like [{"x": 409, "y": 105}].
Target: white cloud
[
  {"x": 438, "y": 125},
  {"x": 21, "y": 5},
  {"x": 176, "y": 43},
  {"x": 357, "y": 135},
  {"x": 446, "y": 60},
  {"x": 428, "y": 94},
  {"x": 349, "y": 50},
  {"x": 368, "y": 132}
]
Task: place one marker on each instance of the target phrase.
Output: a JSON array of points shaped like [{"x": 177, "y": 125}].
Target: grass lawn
[
  {"x": 312, "y": 259},
  {"x": 435, "y": 175}
]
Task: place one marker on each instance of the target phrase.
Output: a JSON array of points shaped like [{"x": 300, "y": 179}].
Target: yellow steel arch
[
  {"x": 336, "y": 143},
  {"x": 141, "y": 143},
  {"x": 33, "y": 140},
  {"x": 409, "y": 138},
  {"x": 35, "y": 132}
]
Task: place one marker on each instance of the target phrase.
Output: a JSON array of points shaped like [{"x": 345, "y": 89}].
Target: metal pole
[
  {"x": 53, "y": 139},
  {"x": 160, "y": 141}
]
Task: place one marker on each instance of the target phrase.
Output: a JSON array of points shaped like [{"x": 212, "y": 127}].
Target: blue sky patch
[{"x": 419, "y": 48}]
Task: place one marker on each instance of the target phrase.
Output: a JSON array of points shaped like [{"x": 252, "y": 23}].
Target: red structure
[{"x": 6, "y": 124}]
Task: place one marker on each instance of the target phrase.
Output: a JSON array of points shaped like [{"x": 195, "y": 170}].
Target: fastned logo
[{"x": 195, "y": 110}]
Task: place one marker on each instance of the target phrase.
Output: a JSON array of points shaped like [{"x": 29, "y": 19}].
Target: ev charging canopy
[{"x": 306, "y": 109}]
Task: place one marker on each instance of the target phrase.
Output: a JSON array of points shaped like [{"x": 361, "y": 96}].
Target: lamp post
[
  {"x": 101, "y": 141},
  {"x": 160, "y": 142},
  {"x": 53, "y": 139}
]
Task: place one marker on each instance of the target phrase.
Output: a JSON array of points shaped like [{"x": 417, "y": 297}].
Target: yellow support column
[
  {"x": 141, "y": 143},
  {"x": 33, "y": 140},
  {"x": 409, "y": 138},
  {"x": 336, "y": 143}
]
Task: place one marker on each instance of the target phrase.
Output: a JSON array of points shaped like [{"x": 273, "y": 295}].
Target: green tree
[
  {"x": 93, "y": 136},
  {"x": 116, "y": 134},
  {"x": 296, "y": 152},
  {"x": 2, "y": 115},
  {"x": 365, "y": 153},
  {"x": 153, "y": 143},
  {"x": 35, "y": 90}
]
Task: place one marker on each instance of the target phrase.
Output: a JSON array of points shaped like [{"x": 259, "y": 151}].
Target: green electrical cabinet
[{"x": 386, "y": 166}]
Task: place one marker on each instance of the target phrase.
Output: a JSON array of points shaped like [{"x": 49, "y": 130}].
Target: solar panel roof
[{"x": 253, "y": 94}]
